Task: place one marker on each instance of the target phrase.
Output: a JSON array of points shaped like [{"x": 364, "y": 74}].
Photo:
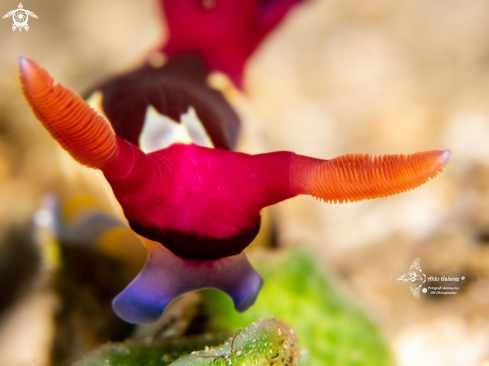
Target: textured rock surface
[{"x": 262, "y": 343}]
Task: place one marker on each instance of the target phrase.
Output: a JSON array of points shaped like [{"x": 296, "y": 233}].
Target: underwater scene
[{"x": 244, "y": 182}]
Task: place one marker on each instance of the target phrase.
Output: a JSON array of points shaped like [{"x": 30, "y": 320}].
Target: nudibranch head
[
  {"x": 203, "y": 205},
  {"x": 223, "y": 33}
]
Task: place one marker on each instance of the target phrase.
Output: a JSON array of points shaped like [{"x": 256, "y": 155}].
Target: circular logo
[
  {"x": 20, "y": 18},
  {"x": 424, "y": 290}
]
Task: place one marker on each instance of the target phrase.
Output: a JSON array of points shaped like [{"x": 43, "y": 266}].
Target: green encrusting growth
[
  {"x": 330, "y": 329},
  {"x": 266, "y": 342},
  {"x": 146, "y": 352}
]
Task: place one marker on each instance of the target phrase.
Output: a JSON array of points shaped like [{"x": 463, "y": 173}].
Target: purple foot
[{"x": 166, "y": 276}]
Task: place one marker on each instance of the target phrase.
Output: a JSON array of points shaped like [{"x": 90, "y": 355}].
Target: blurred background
[{"x": 336, "y": 77}]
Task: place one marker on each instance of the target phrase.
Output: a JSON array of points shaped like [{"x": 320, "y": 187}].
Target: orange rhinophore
[
  {"x": 82, "y": 132},
  {"x": 355, "y": 177}
]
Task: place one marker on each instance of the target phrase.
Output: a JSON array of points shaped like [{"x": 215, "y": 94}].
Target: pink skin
[
  {"x": 204, "y": 206},
  {"x": 200, "y": 203},
  {"x": 225, "y": 34}
]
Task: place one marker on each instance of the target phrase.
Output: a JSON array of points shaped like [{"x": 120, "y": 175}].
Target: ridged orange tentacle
[
  {"x": 350, "y": 178},
  {"x": 68, "y": 118}
]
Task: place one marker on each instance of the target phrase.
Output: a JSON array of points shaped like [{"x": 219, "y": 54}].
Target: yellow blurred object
[{"x": 124, "y": 245}]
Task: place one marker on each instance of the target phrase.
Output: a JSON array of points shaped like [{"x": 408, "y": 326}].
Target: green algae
[
  {"x": 330, "y": 328},
  {"x": 146, "y": 352},
  {"x": 266, "y": 342}
]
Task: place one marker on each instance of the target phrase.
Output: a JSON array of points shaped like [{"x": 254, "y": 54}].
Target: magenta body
[{"x": 200, "y": 203}]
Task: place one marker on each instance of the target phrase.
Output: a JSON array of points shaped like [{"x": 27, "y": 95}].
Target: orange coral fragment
[
  {"x": 82, "y": 132},
  {"x": 355, "y": 177}
]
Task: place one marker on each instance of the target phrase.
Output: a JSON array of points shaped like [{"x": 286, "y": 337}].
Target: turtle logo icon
[{"x": 20, "y": 17}]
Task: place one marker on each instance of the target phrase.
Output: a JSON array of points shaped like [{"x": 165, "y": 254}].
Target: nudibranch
[
  {"x": 200, "y": 207},
  {"x": 222, "y": 33}
]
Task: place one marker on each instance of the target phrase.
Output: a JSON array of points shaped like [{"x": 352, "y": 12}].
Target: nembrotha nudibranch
[{"x": 203, "y": 205}]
